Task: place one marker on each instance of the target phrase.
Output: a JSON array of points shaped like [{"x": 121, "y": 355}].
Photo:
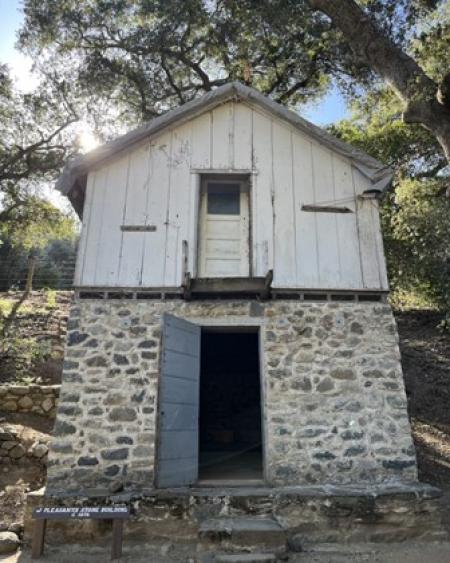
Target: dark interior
[{"x": 230, "y": 407}]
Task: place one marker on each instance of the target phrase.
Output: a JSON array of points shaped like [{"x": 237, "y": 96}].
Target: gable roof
[{"x": 72, "y": 182}]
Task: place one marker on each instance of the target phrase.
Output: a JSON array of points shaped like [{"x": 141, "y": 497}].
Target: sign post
[{"x": 115, "y": 513}]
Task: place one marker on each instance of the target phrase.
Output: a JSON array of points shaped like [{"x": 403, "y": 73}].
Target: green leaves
[
  {"x": 417, "y": 235},
  {"x": 416, "y": 213},
  {"x": 34, "y": 224},
  {"x": 146, "y": 56}
]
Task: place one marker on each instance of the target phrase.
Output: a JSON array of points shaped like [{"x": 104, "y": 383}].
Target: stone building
[{"x": 230, "y": 324}]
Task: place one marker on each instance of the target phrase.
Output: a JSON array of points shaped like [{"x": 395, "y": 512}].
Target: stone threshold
[{"x": 413, "y": 489}]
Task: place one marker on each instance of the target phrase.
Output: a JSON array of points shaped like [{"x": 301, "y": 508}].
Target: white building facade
[{"x": 230, "y": 321}]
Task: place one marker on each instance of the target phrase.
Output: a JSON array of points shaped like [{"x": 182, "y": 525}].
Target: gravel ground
[{"x": 379, "y": 553}]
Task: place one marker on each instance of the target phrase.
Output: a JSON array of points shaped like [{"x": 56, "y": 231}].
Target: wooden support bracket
[
  {"x": 265, "y": 293},
  {"x": 187, "y": 286}
]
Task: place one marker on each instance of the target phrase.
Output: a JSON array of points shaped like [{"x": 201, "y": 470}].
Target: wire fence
[{"x": 47, "y": 274}]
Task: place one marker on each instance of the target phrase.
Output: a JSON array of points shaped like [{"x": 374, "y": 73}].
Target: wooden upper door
[{"x": 224, "y": 230}]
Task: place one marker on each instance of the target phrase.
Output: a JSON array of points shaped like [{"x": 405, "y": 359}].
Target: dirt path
[{"x": 379, "y": 553}]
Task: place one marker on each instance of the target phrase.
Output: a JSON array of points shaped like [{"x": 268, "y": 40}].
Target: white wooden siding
[
  {"x": 134, "y": 212},
  {"x": 158, "y": 184}
]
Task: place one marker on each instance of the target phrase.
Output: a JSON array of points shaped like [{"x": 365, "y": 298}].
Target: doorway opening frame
[{"x": 228, "y": 324}]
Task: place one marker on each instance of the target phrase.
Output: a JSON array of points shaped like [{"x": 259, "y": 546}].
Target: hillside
[
  {"x": 426, "y": 367},
  {"x": 34, "y": 351}
]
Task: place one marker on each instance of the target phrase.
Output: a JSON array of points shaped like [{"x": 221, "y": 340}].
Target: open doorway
[{"x": 230, "y": 441}]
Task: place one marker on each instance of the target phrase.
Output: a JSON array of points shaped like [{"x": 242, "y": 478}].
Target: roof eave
[{"x": 379, "y": 174}]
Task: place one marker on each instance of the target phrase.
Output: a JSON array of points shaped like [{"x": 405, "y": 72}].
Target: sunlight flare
[{"x": 86, "y": 139}]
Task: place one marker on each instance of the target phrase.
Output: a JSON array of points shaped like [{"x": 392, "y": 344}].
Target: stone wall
[
  {"x": 334, "y": 400},
  {"x": 37, "y": 399},
  {"x": 15, "y": 450}
]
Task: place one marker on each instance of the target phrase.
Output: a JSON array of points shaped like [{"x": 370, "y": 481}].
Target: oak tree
[{"x": 142, "y": 57}]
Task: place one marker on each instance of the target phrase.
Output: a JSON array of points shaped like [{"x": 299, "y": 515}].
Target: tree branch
[{"x": 417, "y": 91}]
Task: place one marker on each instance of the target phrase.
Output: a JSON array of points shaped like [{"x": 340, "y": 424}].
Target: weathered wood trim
[
  {"x": 239, "y": 285},
  {"x": 186, "y": 276},
  {"x": 240, "y": 288},
  {"x": 326, "y": 209},
  {"x": 138, "y": 228},
  {"x": 222, "y": 171},
  {"x": 371, "y": 194}
]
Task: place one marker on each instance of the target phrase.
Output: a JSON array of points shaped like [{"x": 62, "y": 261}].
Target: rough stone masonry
[{"x": 334, "y": 404}]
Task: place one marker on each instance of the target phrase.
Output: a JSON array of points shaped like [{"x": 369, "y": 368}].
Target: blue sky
[
  {"x": 10, "y": 21},
  {"x": 329, "y": 109},
  {"x": 11, "y": 18}
]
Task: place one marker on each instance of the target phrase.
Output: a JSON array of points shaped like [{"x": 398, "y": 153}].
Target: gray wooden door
[{"x": 179, "y": 403}]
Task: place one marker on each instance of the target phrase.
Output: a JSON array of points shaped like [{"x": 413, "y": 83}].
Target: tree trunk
[
  {"x": 26, "y": 292},
  {"x": 30, "y": 273},
  {"x": 421, "y": 96}
]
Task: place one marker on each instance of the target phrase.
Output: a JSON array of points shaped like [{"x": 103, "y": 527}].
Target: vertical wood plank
[
  {"x": 110, "y": 237},
  {"x": 384, "y": 283},
  {"x": 222, "y": 130},
  {"x": 84, "y": 236},
  {"x": 157, "y": 207},
  {"x": 307, "y": 274},
  {"x": 350, "y": 264},
  {"x": 262, "y": 187},
  {"x": 244, "y": 231},
  {"x": 99, "y": 190},
  {"x": 178, "y": 224},
  {"x": 328, "y": 248},
  {"x": 117, "y": 538},
  {"x": 37, "y": 542},
  {"x": 366, "y": 232},
  {"x": 243, "y": 145},
  {"x": 284, "y": 252},
  {"x": 193, "y": 218},
  {"x": 201, "y": 141},
  {"x": 135, "y": 213},
  {"x": 201, "y": 152}
]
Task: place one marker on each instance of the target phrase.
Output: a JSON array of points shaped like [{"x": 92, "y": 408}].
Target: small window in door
[
  {"x": 224, "y": 229},
  {"x": 223, "y": 199}
]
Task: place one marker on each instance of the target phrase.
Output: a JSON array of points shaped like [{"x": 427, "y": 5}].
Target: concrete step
[{"x": 259, "y": 533}]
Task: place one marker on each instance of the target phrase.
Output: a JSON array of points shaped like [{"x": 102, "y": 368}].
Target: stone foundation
[
  {"x": 334, "y": 405},
  {"x": 308, "y": 515},
  {"x": 36, "y": 399}
]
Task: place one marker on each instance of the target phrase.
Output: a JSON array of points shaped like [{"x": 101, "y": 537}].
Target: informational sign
[{"x": 82, "y": 512}]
